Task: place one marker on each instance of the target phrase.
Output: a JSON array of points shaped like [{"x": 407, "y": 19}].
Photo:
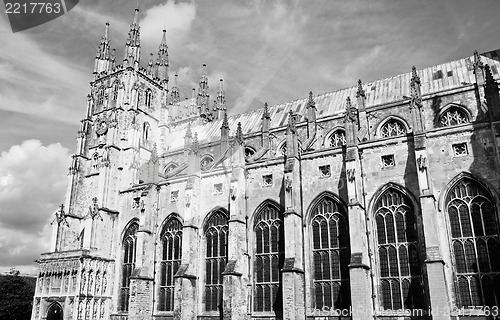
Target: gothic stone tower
[{"x": 376, "y": 201}]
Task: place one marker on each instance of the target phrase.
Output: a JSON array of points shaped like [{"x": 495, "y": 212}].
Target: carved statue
[{"x": 288, "y": 184}]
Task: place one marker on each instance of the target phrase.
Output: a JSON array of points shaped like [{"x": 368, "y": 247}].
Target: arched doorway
[{"x": 55, "y": 312}]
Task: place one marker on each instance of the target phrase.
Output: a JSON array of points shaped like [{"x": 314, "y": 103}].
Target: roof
[{"x": 453, "y": 74}]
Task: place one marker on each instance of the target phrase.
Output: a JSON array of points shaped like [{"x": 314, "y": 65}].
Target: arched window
[
  {"x": 100, "y": 97},
  {"x": 249, "y": 151},
  {"x": 452, "y": 117},
  {"x": 331, "y": 255},
  {"x": 282, "y": 149},
  {"x": 337, "y": 138},
  {"x": 128, "y": 264},
  {"x": 269, "y": 258},
  {"x": 400, "y": 263},
  {"x": 392, "y": 128},
  {"x": 148, "y": 97},
  {"x": 170, "y": 167},
  {"x": 171, "y": 241},
  {"x": 216, "y": 230},
  {"x": 55, "y": 312},
  {"x": 146, "y": 129},
  {"x": 475, "y": 244},
  {"x": 206, "y": 162}
]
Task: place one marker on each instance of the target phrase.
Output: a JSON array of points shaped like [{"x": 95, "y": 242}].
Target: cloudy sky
[{"x": 272, "y": 51}]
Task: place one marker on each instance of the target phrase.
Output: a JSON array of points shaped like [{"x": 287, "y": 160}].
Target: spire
[
  {"x": 361, "y": 97},
  {"x": 136, "y": 14},
  {"x": 265, "y": 114},
  {"x": 363, "y": 120},
  {"x": 224, "y": 133},
  {"x": 103, "y": 50},
  {"x": 361, "y": 91},
  {"x": 415, "y": 79},
  {"x": 133, "y": 44},
  {"x": 203, "y": 95},
  {"x": 239, "y": 134},
  {"x": 311, "y": 116},
  {"x": 162, "y": 63},
  {"x": 311, "y": 108},
  {"x": 196, "y": 144},
  {"x": 188, "y": 134},
  {"x": 350, "y": 111},
  {"x": 193, "y": 108},
  {"x": 220, "y": 102},
  {"x": 492, "y": 94},
  {"x": 103, "y": 55},
  {"x": 292, "y": 122},
  {"x": 225, "y": 123},
  {"x": 188, "y": 137},
  {"x": 291, "y": 135},
  {"x": 112, "y": 58},
  {"x": 478, "y": 64},
  {"x": 351, "y": 121},
  {"x": 416, "y": 97},
  {"x": 150, "y": 69},
  {"x": 175, "y": 92},
  {"x": 266, "y": 123}
]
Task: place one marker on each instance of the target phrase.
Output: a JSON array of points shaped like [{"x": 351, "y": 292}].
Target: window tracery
[
  {"x": 128, "y": 263},
  {"x": 331, "y": 255},
  {"x": 337, "y": 139},
  {"x": 269, "y": 257},
  {"x": 216, "y": 231},
  {"x": 452, "y": 117},
  {"x": 475, "y": 244},
  {"x": 401, "y": 280},
  {"x": 171, "y": 243},
  {"x": 392, "y": 128}
]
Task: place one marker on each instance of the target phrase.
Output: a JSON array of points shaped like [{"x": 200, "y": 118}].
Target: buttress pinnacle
[
  {"x": 162, "y": 63},
  {"x": 133, "y": 44}
]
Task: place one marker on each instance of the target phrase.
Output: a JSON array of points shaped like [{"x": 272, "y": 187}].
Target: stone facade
[{"x": 357, "y": 202}]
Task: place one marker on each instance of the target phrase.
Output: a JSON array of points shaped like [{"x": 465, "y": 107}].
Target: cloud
[
  {"x": 32, "y": 185},
  {"x": 176, "y": 18},
  {"x": 34, "y": 81}
]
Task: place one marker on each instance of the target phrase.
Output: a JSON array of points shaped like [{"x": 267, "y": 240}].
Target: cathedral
[{"x": 379, "y": 201}]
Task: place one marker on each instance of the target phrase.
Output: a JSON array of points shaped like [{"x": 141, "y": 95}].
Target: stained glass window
[
  {"x": 171, "y": 241},
  {"x": 269, "y": 257},
  {"x": 216, "y": 231},
  {"x": 128, "y": 264},
  {"x": 400, "y": 263},
  {"x": 331, "y": 255},
  {"x": 475, "y": 244}
]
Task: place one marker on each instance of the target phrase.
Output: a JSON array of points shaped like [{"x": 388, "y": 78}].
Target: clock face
[{"x": 102, "y": 127}]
